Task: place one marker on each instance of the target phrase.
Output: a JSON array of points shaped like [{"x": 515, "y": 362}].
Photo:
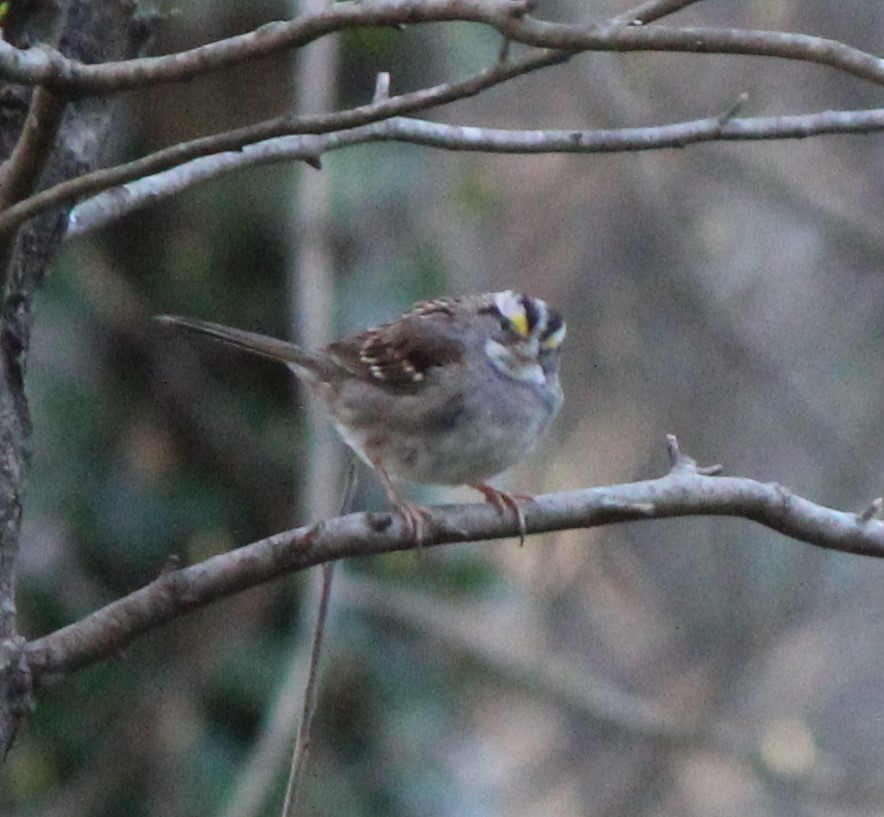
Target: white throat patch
[{"x": 505, "y": 361}]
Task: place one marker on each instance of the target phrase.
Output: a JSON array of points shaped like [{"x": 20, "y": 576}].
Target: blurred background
[{"x": 728, "y": 293}]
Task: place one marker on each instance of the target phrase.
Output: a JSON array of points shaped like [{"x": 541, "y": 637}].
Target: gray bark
[{"x": 90, "y": 31}]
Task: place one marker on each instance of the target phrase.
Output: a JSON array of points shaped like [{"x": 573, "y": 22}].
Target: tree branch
[
  {"x": 20, "y": 173},
  {"x": 46, "y": 66},
  {"x": 696, "y": 40},
  {"x": 119, "y": 201},
  {"x": 234, "y": 140},
  {"x": 685, "y": 491},
  {"x": 505, "y": 15},
  {"x": 91, "y": 32}
]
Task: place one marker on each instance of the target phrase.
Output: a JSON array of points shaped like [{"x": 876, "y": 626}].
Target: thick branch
[
  {"x": 119, "y": 201},
  {"x": 91, "y": 32},
  {"x": 685, "y": 491}
]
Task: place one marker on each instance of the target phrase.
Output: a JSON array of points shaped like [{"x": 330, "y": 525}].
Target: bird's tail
[{"x": 247, "y": 341}]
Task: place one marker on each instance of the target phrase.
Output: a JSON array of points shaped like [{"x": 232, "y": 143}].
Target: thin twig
[
  {"x": 733, "y": 108},
  {"x": 305, "y": 729},
  {"x": 381, "y": 87},
  {"x": 652, "y": 10},
  {"x": 302, "y": 745},
  {"x": 872, "y": 510}
]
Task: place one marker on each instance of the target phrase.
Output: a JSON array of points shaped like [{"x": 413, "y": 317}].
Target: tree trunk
[{"x": 91, "y": 31}]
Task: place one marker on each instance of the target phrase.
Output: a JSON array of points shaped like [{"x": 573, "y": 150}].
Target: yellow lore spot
[{"x": 510, "y": 306}]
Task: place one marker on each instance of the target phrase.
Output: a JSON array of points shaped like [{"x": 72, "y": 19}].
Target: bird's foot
[
  {"x": 502, "y": 500},
  {"x": 415, "y": 517}
]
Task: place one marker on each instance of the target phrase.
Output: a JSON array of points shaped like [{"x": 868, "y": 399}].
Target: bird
[{"x": 453, "y": 392}]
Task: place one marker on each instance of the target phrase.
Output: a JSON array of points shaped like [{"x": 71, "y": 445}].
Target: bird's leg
[
  {"x": 502, "y": 500},
  {"x": 415, "y": 515}
]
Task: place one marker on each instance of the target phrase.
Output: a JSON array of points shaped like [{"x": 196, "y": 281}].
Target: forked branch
[
  {"x": 686, "y": 490},
  {"x": 46, "y": 66}
]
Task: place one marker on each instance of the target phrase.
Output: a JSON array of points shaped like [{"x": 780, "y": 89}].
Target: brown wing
[{"x": 402, "y": 353}]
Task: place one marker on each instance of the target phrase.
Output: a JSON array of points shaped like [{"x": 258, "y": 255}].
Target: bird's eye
[{"x": 505, "y": 324}]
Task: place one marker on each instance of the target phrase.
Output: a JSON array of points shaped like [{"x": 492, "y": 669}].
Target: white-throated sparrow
[{"x": 454, "y": 392}]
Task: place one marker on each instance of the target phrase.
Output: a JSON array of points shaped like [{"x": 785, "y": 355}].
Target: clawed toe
[
  {"x": 415, "y": 517},
  {"x": 502, "y": 500}
]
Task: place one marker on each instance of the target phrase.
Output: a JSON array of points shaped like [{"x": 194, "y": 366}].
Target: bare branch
[
  {"x": 684, "y": 491},
  {"x": 114, "y": 203},
  {"x": 281, "y": 126},
  {"x": 507, "y": 17},
  {"x": 49, "y": 67},
  {"x": 19, "y": 174},
  {"x": 697, "y": 40},
  {"x": 46, "y": 66}
]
